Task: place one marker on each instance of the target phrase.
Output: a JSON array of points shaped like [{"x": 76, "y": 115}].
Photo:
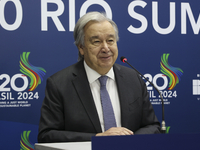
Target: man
[{"x": 72, "y": 108}]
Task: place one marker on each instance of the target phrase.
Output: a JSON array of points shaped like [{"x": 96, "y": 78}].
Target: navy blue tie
[{"x": 108, "y": 113}]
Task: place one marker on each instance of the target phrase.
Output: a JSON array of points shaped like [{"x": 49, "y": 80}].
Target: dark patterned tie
[{"x": 108, "y": 113}]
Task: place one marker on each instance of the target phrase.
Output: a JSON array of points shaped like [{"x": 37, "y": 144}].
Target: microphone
[{"x": 163, "y": 128}]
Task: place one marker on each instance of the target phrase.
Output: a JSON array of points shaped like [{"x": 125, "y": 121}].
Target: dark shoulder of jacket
[
  {"x": 124, "y": 69},
  {"x": 68, "y": 71}
]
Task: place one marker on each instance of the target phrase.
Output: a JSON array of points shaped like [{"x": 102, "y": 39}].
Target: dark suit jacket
[{"x": 69, "y": 114}]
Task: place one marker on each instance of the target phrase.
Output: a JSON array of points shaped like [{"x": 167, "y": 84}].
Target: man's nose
[{"x": 105, "y": 47}]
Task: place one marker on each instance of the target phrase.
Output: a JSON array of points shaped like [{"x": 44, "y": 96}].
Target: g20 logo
[
  {"x": 173, "y": 74},
  {"x": 35, "y": 75}
]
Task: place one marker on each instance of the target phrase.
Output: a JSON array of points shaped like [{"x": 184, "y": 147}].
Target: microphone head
[{"x": 123, "y": 59}]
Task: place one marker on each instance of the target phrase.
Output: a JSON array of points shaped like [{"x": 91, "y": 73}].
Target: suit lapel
[
  {"x": 81, "y": 84},
  {"x": 123, "y": 94}
]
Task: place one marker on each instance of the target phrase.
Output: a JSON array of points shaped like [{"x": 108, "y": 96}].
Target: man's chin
[{"x": 106, "y": 66}]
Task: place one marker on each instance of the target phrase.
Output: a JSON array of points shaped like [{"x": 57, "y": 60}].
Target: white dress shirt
[{"x": 111, "y": 86}]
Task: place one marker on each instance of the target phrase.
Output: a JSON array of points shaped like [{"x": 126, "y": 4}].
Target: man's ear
[{"x": 80, "y": 48}]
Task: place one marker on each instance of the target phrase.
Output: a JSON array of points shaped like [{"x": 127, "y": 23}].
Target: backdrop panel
[{"x": 159, "y": 38}]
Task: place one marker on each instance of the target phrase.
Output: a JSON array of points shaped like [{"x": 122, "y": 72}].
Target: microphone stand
[{"x": 163, "y": 127}]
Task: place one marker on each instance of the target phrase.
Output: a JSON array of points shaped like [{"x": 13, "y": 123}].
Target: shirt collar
[{"x": 93, "y": 75}]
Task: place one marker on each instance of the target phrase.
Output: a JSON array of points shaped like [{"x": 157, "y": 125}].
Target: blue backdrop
[{"x": 159, "y": 38}]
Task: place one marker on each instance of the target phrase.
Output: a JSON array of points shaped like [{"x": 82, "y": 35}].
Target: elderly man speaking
[{"x": 95, "y": 96}]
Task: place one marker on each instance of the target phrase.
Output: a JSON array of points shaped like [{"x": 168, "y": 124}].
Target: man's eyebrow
[
  {"x": 97, "y": 37},
  {"x": 111, "y": 35},
  {"x": 94, "y": 37}
]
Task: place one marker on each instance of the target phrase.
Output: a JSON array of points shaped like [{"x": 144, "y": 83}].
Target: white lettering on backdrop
[{"x": 186, "y": 12}]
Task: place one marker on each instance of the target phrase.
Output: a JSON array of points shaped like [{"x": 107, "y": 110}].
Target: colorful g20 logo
[
  {"x": 173, "y": 73},
  {"x": 35, "y": 75}
]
